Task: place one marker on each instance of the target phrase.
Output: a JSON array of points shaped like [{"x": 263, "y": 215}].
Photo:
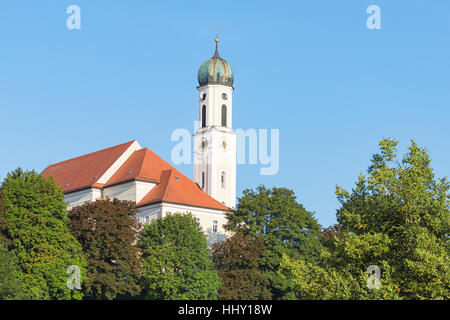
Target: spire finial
[{"x": 216, "y": 54}]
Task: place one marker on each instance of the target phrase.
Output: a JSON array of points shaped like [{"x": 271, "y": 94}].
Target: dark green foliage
[
  {"x": 34, "y": 226},
  {"x": 237, "y": 260},
  {"x": 107, "y": 231},
  {"x": 285, "y": 227},
  {"x": 176, "y": 260},
  {"x": 10, "y": 277}
]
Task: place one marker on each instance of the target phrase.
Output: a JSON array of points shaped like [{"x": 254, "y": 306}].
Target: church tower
[{"x": 215, "y": 141}]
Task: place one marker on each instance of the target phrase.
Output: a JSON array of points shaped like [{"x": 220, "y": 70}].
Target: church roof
[
  {"x": 142, "y": 165},
  {"x": 175, "y": 187},
  {"x": 84, "y": 172}
]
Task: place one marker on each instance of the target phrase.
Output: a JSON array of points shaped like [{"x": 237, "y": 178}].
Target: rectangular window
[
  {"x": 214, "y": 229},
  {"x": 203, "y": 180},
  {"x": 223, "y": 180}
]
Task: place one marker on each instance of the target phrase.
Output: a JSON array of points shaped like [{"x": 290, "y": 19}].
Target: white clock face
[{"x": 203, "y": 95}]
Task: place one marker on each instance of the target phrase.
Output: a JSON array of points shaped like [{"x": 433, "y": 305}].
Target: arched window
[
  {"x": 224, "y": 115},
  {"x": 203, "y": 116},
  {"x": 203, "y": 180},
  {"x": 223, "y": 180}
]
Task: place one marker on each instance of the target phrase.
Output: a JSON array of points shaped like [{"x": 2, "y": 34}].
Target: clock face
[
  {"x": 224, "y": 96},
  {"x": 203, "y": 95},
  {"x": 203, "y": 145},
  {"x": 224, "y": 144}
]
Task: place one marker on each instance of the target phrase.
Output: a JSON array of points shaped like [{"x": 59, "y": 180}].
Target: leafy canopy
[
  {"x": 284, "y": 226},
  {"x": 107, "y": 230},
  {"x": 397, "y": 218},
  {"x": 237, "y": 260},
  {"x": 176, "y": 260},
  {"x": 35, "y": 227}
]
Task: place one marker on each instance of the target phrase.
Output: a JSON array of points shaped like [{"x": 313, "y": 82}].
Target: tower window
[
  {"x": 203, "y": 180},
  {"x": 224, "y": 115},
  {"x": 223, "y": 180},
  {"x": 204, "y": 116},
  {"x": 214, "y": 228}
]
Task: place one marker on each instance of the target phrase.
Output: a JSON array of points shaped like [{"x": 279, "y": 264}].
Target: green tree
[
  {"x": 107, "y": 231},
  {"x": 176, "y": 260},
  {"x": 284, "y": 225},
  {"x": 10, "y": 277},
  {"x": 237, "y": 260},
  {"x": 35, "y": 226},
  {"x": 397, "y": 218},
  {"x": 3, "y": 222}
]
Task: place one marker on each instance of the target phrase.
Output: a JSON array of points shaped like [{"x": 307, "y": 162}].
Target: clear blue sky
[{"x": 309, "y": 68}]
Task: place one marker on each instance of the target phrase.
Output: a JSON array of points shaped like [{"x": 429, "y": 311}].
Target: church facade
[{"x": 131, "y": 172}]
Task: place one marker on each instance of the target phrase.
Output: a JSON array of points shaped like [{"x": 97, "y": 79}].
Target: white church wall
[
  {"x": 142, "y": 188},
  {"x": 148, "y": 213},
  {"x": 224, "y": 160},
  {"x": 79, "y": 197},
  {"x": 132, "y": 190},
  {"x": 123, "y": 191},
  {"x": 219, "y": 155},
  {"x": 214, "y": 160},
  {"x": 205, "y": 216}
]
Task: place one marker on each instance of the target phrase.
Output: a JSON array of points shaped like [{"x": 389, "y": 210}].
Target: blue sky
[{"x": 309, "y": 68}]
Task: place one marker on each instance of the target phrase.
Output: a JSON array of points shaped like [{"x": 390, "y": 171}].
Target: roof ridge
[
  {"x": 141, "y": 165},
  {"x": 167, "y": 183},
  {"x": 89, "y": 154}
]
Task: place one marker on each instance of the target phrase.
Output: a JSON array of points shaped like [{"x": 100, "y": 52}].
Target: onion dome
[{"x": 215, "y": 71}]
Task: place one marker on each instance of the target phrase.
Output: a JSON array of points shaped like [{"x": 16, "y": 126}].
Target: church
[{"x": 130, "y": 172}]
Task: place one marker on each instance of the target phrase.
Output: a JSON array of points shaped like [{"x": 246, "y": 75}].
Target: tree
[
  {"x": 237, "y": 260},
  {"x": 10, "y": 277},
  {"x": 3, "y": 222},
  {"x": 107, "y": 231},
  {"x": 35, "y": 226},
  {"x": 176, "y": 260},
  {"x": 396, "y": 218},
  {"x": 283, "y": 224}
]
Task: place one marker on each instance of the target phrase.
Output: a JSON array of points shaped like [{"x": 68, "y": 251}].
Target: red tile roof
[
  {"x": 177, "y": 188},
  {"x": 84, "y": 172},
  {"x": 144, "y": 165}
]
